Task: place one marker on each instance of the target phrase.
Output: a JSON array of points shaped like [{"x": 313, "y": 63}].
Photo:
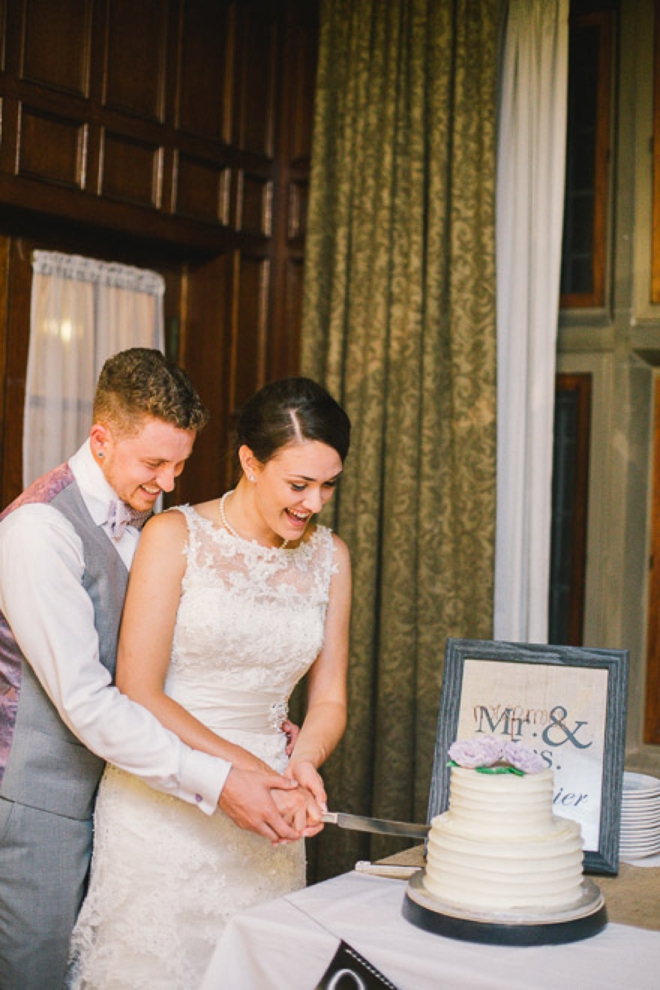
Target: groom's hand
[{"x": 246, "y": 797}]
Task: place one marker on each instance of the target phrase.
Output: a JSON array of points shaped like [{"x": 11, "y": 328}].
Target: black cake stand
[{"x": 584, "y": 919}]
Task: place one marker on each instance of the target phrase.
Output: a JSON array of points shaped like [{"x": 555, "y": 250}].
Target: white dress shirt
[{"x": 52, "y": 618}]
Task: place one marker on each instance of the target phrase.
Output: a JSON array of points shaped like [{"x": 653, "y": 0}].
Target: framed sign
[{"x": 566, "y": 703}]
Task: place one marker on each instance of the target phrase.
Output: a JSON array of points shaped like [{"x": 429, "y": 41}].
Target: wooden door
[{"x": 652, "y": 710}]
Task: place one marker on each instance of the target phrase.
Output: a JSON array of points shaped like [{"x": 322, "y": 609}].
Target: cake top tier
[{"x": 501, "y": 804}]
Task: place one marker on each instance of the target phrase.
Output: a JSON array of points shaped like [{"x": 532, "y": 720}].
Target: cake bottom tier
[
  {"x": 533, "y": 927},
  {"x": 505, "y": 874}
]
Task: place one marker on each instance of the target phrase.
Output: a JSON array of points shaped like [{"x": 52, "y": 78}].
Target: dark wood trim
[
  {"x": 602, "y": 20},
  {"x": 652, "y": 705},
  {"x": 580, "y": 384}
]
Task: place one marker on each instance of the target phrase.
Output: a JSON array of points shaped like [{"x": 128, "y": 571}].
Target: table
[
  {"x": 287, "y": 944},
  {"x": 632, "y": 897}
]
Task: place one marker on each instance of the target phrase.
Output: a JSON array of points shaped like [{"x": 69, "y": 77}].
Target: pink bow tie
[{"x": 121, "y": 515}]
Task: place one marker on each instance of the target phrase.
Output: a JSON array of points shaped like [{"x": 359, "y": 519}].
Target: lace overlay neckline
[{"x": 218, "y": 531}]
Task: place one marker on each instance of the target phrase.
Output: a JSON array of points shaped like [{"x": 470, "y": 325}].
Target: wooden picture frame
[{"x": 566, "y": 703}]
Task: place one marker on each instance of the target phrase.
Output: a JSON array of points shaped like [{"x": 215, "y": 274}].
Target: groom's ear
[{"x": 99, "y": 435}]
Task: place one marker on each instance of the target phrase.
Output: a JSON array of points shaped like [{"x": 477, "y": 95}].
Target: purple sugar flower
[
  {"x": 482, "y": 751},
  {"x": 522, "y": 758}
]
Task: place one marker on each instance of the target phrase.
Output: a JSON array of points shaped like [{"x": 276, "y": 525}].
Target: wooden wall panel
[
  {"x": 291, "y": 187},
  {"x": 204, "y": 93},
  {"x": 209, "y": 309},
  {"x": 255, "y": 204},
  {"x": 298, "y": 202},
  {"x": 302, "y": 69},
  {"x": 256, "y": 91},
  {"x": 3, "y": 35},
  {"x": 172, "y": 134},
  {"x": 63, "y": 65},
  {"x": 250, "y": 328},
  {"x": 289, "y": 350},
  {"x": 40, "y": 133},
  {"x": 172, "y": 105},
  {"x": 136, "y": 57},
  {"x": 202, "y": 190},
  {"x": 131, "y": 170}
]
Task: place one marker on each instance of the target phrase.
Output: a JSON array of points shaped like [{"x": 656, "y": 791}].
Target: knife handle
[{"x": 386, "y": 869}]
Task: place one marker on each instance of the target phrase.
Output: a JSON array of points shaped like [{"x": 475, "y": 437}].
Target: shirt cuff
[{"x": 202, "y": 778}]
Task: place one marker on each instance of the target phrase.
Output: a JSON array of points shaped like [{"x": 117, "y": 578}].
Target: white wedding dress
[{"x": 165, "y": 876}]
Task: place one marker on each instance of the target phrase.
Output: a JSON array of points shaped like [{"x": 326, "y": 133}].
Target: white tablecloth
[{"x": 287, "y": 944}]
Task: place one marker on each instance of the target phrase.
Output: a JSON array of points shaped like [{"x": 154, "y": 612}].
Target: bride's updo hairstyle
[{"x": 289, "y": 411}]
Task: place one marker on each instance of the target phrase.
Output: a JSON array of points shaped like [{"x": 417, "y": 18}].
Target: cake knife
[{"x": 381, "y": 826}]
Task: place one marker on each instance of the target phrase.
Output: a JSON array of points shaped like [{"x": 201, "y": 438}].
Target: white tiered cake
[{"x": 499, "y": 848}]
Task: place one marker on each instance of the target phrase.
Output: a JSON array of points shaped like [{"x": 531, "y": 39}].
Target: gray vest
[{"x": 47, "y": 766}]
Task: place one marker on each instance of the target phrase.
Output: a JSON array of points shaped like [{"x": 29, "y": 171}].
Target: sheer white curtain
[
  {"x": 530, "y": 195},
  {"x": 82, "y": 311}
]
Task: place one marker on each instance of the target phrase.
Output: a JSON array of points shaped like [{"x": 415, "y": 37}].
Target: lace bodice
[{"x": 250, "y": 623}]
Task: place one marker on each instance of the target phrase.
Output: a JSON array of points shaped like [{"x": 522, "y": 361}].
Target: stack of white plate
[{"x": 640, "y": 817}]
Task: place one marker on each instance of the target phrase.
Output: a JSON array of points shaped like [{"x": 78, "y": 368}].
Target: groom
[{"x": 66, "y": 545}]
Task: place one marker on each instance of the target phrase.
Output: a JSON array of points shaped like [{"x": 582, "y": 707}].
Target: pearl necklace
[{"x": 231, "y": 529}]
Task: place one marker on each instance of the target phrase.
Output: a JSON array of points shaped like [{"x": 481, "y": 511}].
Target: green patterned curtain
[{"x": 399, "y": 324}]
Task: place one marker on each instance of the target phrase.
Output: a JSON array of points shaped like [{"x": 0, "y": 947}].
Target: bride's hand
[
  {"x": 299, "y": 810},
  {"x": 306, "y": 774},
  {"x": 291, "y": 731}
]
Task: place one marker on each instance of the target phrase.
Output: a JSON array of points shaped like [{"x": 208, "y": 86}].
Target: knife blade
[{"x": 380, "y": 826}]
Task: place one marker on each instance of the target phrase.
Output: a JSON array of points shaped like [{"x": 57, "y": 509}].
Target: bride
[{"x": 230, "y": 603}]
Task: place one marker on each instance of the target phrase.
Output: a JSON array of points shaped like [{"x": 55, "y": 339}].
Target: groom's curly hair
[{"x": 141, "y": 382}]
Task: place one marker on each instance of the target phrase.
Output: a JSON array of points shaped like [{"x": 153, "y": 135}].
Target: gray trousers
[{"x": 44, "y": 860}]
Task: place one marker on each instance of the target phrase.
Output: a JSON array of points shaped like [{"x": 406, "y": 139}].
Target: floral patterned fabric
[{"x": 399, "y": 324}]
